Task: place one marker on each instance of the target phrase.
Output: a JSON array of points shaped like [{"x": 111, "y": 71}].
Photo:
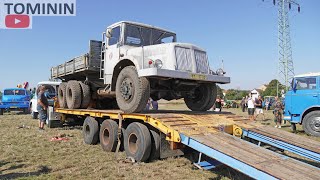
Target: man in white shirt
[{"x": 251, "y": 107}]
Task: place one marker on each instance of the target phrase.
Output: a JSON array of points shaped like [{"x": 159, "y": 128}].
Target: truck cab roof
[
  {"x": 308, "y": 74},
  {"x": 139, "y": 24}
]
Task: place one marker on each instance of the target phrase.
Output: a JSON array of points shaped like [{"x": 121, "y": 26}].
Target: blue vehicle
[
  {"x": 302, "y": 103},
  {"x": 15, "y": 99}
]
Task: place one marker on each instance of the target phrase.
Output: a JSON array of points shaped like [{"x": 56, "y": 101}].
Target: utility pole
[{"x": 285, "y": 65}]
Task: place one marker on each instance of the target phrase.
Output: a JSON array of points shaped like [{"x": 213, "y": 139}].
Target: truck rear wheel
[
  {"x": 132, "y": 92},
  {"x": 73, "y": 92},
  {"x": 62, "y": 98},
  {"x": 204, "y": 98},
  {"x": 90, "y": 130},
  {"x": 109, "y": 135},
  {"x": 86, "y": 95},
  {"x": 137, "y": 142},
  {"x": 311, "y": 123}
]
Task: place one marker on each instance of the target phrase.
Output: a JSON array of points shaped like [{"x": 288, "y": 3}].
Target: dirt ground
[{"x": 26, "y": 153}]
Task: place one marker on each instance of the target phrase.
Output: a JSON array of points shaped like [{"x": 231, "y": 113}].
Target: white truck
[{"x": 134, "y": 62}]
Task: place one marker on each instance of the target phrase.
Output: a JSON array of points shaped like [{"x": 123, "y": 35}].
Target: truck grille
[
  {"x": 201, "y": 62},
  {"x": 184, "y": 58}
]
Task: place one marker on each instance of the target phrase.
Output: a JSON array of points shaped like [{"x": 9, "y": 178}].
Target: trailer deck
[{"x": 215, "y": 134}]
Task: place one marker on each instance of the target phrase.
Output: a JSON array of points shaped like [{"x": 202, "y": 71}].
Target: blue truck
[
  {"x": 302, "y": 103},
  {"x": 15, "y": 99}
]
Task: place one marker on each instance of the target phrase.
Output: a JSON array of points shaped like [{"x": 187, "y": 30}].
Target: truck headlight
[{"x": 158, "y": 63}]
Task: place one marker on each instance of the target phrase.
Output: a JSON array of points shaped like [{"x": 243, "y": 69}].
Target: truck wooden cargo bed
[{"x": 214, "y": 134}]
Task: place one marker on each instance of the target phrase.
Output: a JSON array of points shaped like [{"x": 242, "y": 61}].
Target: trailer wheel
[
  {"x": 86, "y": 95},
  {"x": 311, "y": 123},
  {"x": 62, "y": 98},
  {"x": 132, "y": 92},
  {"x": 90, "y": 131},
  {"x": 155, "y": 145},
  {"x": 204, "y": 98},
  {"x": 137, "y": 142},
  {"x": 73, "y": 94},
  {"x": 109, "y": 135},
  {"x": 1, "y": 112}
]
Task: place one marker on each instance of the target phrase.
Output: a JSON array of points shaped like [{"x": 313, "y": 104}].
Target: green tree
[
  {"x": 234, "y": 94},
  {"x": 271, "y": 89},
  {"x": 220, "y": 91}
]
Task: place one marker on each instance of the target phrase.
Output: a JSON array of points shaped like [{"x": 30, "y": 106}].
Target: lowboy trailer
[{"x": 217, "y": 136}]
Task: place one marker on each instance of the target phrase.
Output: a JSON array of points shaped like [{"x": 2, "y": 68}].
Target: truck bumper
[
  {"x": 14, "y": 106},
  {"x": 155, "y": 72}
]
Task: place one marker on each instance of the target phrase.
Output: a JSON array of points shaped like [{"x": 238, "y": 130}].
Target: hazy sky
[{"x": 241, "y": 32}]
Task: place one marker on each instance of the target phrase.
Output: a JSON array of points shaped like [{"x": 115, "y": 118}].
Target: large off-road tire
[
  {"x": 132, "y": 92},
  {"x": 74, "y": 95},
  {"x": 204, "y": 98},
  {"x": 109, "y": 135},
  {"x": 86, "y": 95},
  {"x": 137, "y": 142},
  {"x": 311, "y": 123},
  {"x": 155, "y": 145},
  {"x": 90, "y": 130},
  {"x": 62, "y": 97}
]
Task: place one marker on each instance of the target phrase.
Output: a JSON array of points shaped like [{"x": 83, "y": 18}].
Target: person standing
[
  {"x": 42, "y": 107},
  {"x": 258, "y": 105},
  {"x": 246, "y": 103},
  {"x": 218, "y": 104},
  {"x": 278, "y": 111},
  {"x": 267, "y": 104},
  {"x": 250, "y": 103},
  {"x": 243, "y": 104}
]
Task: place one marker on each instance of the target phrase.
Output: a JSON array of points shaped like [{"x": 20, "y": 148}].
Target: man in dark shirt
[
  {"x": 42, "y": 107},
  {"x": 258, "y": 103}
]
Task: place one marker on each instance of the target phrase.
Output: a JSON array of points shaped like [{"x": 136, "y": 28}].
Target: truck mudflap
[{"x": 152, "y": 72}]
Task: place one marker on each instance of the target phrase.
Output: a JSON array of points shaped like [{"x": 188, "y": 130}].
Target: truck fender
[
  {"x": 306, "y": 111},
  {"x": 132, "y": 59}
]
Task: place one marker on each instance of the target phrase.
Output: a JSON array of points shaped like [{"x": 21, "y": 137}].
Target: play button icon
[{"x": 17, "y": 21}]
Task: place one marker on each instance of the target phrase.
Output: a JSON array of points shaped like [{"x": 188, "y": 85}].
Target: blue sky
[{"x": 241, "y": 32}]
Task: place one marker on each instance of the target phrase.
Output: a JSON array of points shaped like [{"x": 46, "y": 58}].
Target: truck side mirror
[
  {"x": 294, "y": 85},
  {"x": 109, "y": 32}
]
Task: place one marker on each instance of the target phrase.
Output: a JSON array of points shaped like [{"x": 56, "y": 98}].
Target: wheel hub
[
  {"x": 126, "y": 89},
  {"x": 315, "y": 124}
]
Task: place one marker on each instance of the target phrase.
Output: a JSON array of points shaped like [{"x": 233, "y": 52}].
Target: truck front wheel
[
  {"x": 203, "y": 99},
  {"x": 311, "y": 123},
  {"x": 132, "y": 92}
]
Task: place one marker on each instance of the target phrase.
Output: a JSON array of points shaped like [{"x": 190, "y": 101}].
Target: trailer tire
[
  {"x": 155, "y": 145},
  {"x": 109, "y": 135},
  {"x": 62, "y": 97},
  {"x": 90, "y": 131},
  {"x": 137, "y": 142},
  {"x": 86, "y": 95},
  {"x": 311, "y": 123},
  {"x": 205, "y": 96},
  {"x": 73, "y": 92},
  {"x": 132, "y": 92},
  {"x": 1, "y": 112}
]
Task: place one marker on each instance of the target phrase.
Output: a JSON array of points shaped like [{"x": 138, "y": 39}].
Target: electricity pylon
[{"x": 285, "y": 64}]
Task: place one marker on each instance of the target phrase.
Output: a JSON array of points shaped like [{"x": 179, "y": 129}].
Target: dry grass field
[{"x": 26, "y": 153}]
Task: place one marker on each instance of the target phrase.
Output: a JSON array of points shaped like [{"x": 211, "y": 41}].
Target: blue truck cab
[
  {"x": 14, "y": 99},
  {"x": 302, "y": 103}
]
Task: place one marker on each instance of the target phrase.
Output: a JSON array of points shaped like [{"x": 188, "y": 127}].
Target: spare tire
[
  {"x": 73, "y": 95},
  {"x": 62, "y": 97},
  {"x": 86, "y": 95},
  {"x": 90, "y": 130},
  {"x": 203, "y": 99},
  {"x": 132, "y": 92}
]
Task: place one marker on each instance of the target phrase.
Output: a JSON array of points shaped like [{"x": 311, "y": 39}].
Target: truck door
[
  {"x": 112, "y": 53},
  {"x": 305, "y": 95}
]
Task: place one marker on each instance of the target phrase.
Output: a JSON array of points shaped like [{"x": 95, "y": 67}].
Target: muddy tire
[
  {"x": 73, "y": 92},
  {"x": 109, "y": 135},
  {"x": 90, "y": 131},
  {"x": 311, "y": 123},
  {"x": 62, "y": 98},
  {"x": 86, "y": 95},
  {"x": 132, "y": 92},
  {"x": 204, "y": 98},
  {"x": 137, "y": 142},
  {"x": 155, "y": 145}
]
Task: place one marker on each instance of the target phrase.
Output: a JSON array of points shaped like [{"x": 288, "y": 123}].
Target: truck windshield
[
  {"x": 306, "y": 83},
  {"x": 142, "y": 36},
  {"x": 14, "y": 92}
]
